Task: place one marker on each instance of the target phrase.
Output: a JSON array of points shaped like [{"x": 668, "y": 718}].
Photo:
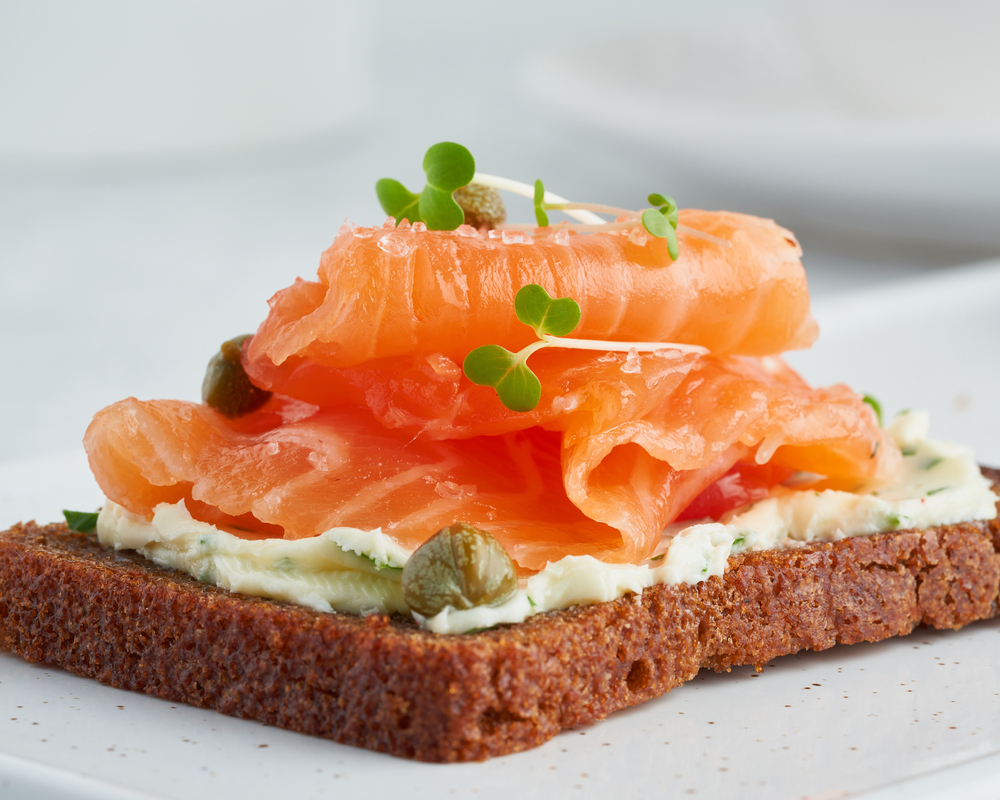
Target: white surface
[
  {"x": 875, "y": 116},
  {"x": 913, "y": 717},
  {"x": 112, "y": 79},
  {"x": 931, "y": 343}
]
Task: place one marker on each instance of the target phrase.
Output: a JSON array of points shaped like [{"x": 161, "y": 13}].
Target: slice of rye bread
[{"x": 382, "y": 683}]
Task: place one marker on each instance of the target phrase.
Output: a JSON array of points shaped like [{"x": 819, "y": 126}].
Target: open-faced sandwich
[{"x": 479, "y": 482}]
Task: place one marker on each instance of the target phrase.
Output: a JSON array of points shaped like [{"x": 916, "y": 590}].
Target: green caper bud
[
  {"x": 459, "y": 566},
  {"x": 483, "y": 205},
  {"x": 226, "y": 387}
]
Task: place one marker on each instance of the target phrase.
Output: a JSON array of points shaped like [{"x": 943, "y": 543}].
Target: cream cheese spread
[{"x": 355, "y": 571}]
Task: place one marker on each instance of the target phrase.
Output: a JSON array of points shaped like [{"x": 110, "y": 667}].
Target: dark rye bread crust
[{"x": 383, "y": 684}]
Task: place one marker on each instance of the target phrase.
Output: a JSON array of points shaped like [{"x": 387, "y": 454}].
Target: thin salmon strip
[
  {"x": 385, "y": 292},
  {"x": 589, "y": 394}
]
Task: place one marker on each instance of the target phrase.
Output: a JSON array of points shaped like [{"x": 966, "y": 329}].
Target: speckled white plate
[{"x": 911, "y": 717}]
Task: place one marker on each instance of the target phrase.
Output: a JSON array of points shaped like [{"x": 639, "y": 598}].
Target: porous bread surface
[{"x": 384, "y": 684}]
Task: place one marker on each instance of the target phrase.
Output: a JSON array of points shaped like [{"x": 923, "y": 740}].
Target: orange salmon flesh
[{"x": 373, "y": 425}]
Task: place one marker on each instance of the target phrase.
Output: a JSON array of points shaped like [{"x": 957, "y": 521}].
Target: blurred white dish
[
  {"x": 883, "y": 116},
  {"x": 112, "y": 79}
]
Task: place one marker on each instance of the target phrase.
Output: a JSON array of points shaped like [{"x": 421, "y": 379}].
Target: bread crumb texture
[{"x": 384, "y": 684}]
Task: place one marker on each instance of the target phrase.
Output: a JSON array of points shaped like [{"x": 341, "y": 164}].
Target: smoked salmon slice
[
  {"x": 606, "y": 485},
  {"x": 384, "y": 292}
]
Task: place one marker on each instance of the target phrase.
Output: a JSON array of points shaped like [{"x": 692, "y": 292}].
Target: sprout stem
[
  {"x": 575, "y": 227},
  {"x": 597, "y": 207},
  {"x": 582, "y": 212},
  {"x": 704, "y": 236},
  {"x": 523, "y": 189},
  {"x": 621, "y": 347}
]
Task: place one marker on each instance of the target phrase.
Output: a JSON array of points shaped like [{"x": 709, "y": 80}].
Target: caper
[
  {"x": 483, "y": 205},
  {"x": 226, "y": 387},
  {"x": 459, "y": 566}
]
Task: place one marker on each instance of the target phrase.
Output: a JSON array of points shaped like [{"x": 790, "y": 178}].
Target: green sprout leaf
[
  {"x": 659, "y": 226},
  {"x": 398, "y": 201},
  {"x": 516, "y": 385},
  {"x": 448, "y": 167},
  {"x": 492, "y": 365},
  {"x": 876, "y": 407},
  {"x": 666, "y": 206},
  {"x": 540, "y": 216},
  {"x": 439, "y": 210},
  {"x": 81, "y": 521},
  {"x": 547, "y": 315}
]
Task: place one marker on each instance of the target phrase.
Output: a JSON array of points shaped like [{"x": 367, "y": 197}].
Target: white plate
[
  {"x": 878, "y": 116},
  {"x": 911, "y": 717}
]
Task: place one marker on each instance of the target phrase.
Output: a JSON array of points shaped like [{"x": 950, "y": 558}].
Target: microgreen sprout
[
  {"x": 552, "y": 319},
  {"x": 876, "y": 407},
  {"x": 540, "y": 216},
  {"x": 81, "y": 521},
  {"x": 448, "y": 167}
]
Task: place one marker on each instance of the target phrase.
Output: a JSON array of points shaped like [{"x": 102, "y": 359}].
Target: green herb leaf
[
  {"x": 398, "y": 201},
  {"x": 933, "y": 462},
  {"x": 939, "y": 489},
  {"x": 876, "y": 407},
  {"x": 666, "y": 206},
  {"x": 892, "y": 520},
  {"x": 658, "y": 558},
  {"x": 909, "y": 450},
  {"x": 516, "y": 385},
  {"x": 540, "y": 216},
  {"x": 659, "y": 226},
  {"x": 81, "y": 521},
  {"x": 547, "y": 315},
  {"x": 448, "y": 167},
  {"x": 439, "y": 210}
]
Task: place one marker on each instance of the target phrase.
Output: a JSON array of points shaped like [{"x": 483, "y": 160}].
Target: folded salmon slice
[
  {"x": 384, "y": 292},
  {"x": 689, "y": 400},
  {"x": 606, "y": 484}
]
